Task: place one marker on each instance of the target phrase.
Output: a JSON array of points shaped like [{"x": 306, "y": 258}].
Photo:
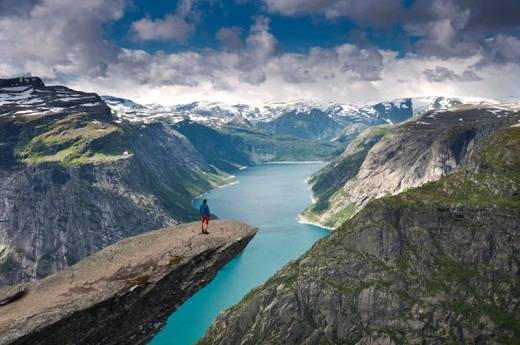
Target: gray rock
[
  {"x": 73, "y": 180},
  {"x": 123, "y": 293},
  {"x": 407, "y": 156},
  {"x": 434, "y": 265}
]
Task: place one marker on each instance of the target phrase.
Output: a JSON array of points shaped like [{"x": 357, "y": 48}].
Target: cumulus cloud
[
  {"x": 63, "y": 42},
  {"x": 440, "y": 74},
  {"x": 230, "y": 38},
  {"x": 186, "y": 77},
  {"x": 261, "y": 43},
  {"x": 366, "y": 64},
  {"x": 51, "y": 38},
  {"x": 177, "y": 26},
  {"x": 260, "y": 47},
  {"x": 172, "y": 27},
  {"x": 440, "y": 28},
  {"x": 500, "y": 49},
  {"x": 9, "y": 7},
  {"x": 374, "y": 12},
  {"x": 253, "y": 77}
]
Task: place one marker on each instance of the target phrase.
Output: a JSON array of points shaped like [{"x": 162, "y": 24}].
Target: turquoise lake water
[{"x": 270, "y": 197}]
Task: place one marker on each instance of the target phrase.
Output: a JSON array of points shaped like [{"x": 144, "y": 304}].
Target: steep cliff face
[
  {"x": 438, "y": 264},
  {"x": 409, "y": 155},
  {"x": 122, "y": 294},
  {"x": 327, "y": 183},
  {"x": 73, "y": 180}
]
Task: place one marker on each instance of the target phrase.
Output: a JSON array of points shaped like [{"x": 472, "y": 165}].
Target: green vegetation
[
  {"x": 266, "y": 147},
  {"x": 495, "y": 184},
  {"x": 74, "y": 140},
  {"x": 458, "y": 283},
  {"x": 476, "y": 190},
  {"x": 441, "y": 257},
  {"x": 502, "y": 150},
  {"x": 363, "y": 140},
  {"x": 231, "y": 147}
]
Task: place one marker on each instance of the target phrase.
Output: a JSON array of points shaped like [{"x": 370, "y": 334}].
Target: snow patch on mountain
[{"x": 218, "y": 114}]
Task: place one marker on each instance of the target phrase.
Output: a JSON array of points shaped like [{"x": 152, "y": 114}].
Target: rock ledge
[{"x": 124, "y": 293}]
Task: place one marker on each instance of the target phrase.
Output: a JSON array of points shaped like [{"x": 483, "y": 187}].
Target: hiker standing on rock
[{"x": 204, "y": 216}]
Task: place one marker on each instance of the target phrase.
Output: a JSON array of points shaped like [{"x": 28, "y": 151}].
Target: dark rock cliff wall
[
  {"x": 438, "y": 264},
  {"x": 74, "y": 180}
]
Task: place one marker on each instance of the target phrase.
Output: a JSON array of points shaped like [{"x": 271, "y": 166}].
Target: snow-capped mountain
[
  {"x": 303, "y": 119},
  {"x": 27, "y": 97},
  {"x": 421, "y": 105},
  {"x": 207, "y": 111},
  {"x": 213, "y": 114}
]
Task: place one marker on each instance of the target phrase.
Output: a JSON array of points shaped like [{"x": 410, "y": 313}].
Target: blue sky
[
  {"x": 266, "y": 50},
  {"x": 295, "y": 34}
]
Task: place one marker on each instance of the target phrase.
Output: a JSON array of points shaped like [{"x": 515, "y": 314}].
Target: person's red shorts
[{"x": 205, "y": 219}]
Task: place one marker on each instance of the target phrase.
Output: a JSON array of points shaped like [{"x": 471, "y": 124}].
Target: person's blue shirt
[{"x": 204, "y": 210}]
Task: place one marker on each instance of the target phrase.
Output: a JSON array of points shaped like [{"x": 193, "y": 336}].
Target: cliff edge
[{"x": 123, "y": 293}]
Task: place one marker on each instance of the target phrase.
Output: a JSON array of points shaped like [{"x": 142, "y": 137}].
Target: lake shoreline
[{"x": 269, "y": 197}]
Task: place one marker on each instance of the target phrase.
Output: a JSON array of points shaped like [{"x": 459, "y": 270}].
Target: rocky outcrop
[
  {"x": 438, "y": 264},
  {"x": 74, "y": 180},
  {"x": 327, "y": 182},
  {"x": 124, "y": 293},
  {"x": 421, "y": 150}
]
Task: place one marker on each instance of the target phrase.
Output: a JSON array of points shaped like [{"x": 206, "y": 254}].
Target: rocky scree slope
[
  {"x": 387, "y": 160},
  {"x": 73, "y": 179},
  {"x": 438, "y": 264},
  {"x": 124, "y": 293}
]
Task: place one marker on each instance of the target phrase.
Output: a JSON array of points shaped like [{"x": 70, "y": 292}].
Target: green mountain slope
[{"x": 437, "y": 264}]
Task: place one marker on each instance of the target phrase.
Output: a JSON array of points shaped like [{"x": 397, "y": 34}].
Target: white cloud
[
  {"x": 440, "y": 74},
  {"x": 317, "y": 75},
  {"x": 373, "y": 12},
  {"x": 230, "y": 38},
  {"x": 172, "y": 27},
  {"x": 176, "y": 26},
  {"x": 62, "y": 41},
  {"x": 56, "y": 37}
]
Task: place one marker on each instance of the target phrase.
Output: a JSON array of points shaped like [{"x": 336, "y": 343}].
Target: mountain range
[
  {"x": 425, "y": 248},
  {"x": 423, "y": 194},
  {"x": 301, "y": 119},
  {"x": 142, "y": 164}
]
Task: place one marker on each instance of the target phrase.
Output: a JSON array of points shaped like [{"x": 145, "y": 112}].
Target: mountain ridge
[
  {"x": 436, "y": 264},
  {"x": 302, "y": 119},
  {"x": 422, "y": 149},
  {"x": 59, "y": 145}
]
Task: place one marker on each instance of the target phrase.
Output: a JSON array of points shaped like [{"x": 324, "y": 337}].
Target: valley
[
  {"x": 433, "y": 264},
  {"x": 416, "y": 189}
]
